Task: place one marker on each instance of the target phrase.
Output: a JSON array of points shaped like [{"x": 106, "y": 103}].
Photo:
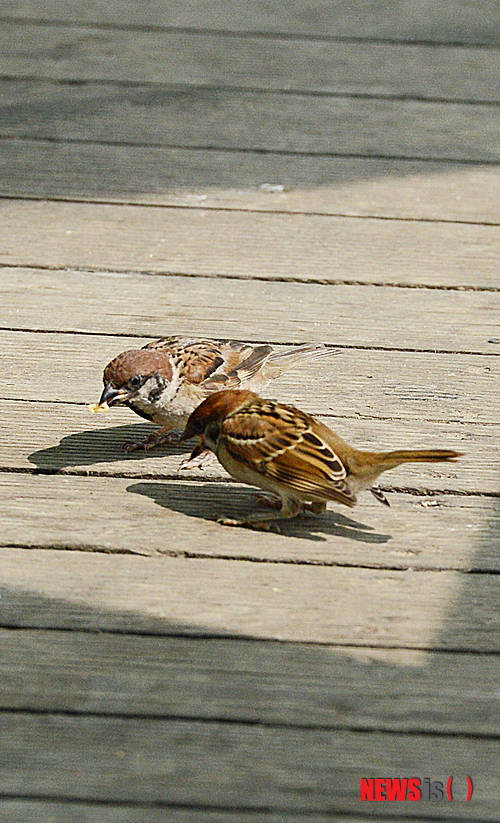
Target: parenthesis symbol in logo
[
  {"x": 469, "y": 781},
  {"x": 450, "y": 796}
]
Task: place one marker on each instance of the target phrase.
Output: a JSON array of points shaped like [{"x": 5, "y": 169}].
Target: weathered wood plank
[
  {"x": 229, "y": 765},
  {"x": 456, "y": 21},
  {"x": 252, "y": 682},
  {"x": 53, "y": 811},
  {"x": 245, "y": 245},
  {"x": 368, "y": 385},
  {"x": 217, "y": 179},
  {"x": 129, "y": 303},
  {"x": 149, "y": 517},
  {"x": 200, "y": 59},
  {"x": 242, "y": 120},
  {"x": 55, "y": 437},
  {"x": 50, "y": 588}
]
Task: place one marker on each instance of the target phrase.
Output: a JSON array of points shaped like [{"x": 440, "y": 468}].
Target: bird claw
[
  {"x": 256, "y": 525},
  {"x": 272, "y": 502},
  {"x": 158, "y": 438},
  {"x": 202, "y": 460}
]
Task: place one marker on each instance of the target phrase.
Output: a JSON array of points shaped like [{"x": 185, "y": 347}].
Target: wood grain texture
[
  {"x": 457, "y": 21},
  {"x": 199, "y": 59},
  {"x": 51, "y": 588},
  {"x": 244, "y": 245},
  {"x": 230, "y": 765},
  {"x": 369, "y": 187},
  {"x": 53, "y": 811},
  {"x": 349, "y": 315},
  {"x": 174, "y": 517},
  {"x": 242, "y": 120},
  {"x": 249, "y": 682}
]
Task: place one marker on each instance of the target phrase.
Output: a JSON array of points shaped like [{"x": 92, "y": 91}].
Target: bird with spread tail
[
  {"x": 287, "y": 452},
  {"x": 167, "y": 379}
]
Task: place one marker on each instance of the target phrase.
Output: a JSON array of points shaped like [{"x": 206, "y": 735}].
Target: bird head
[
  {"x": 127, "y": 374},
  {"x": 207, "y": 418}
]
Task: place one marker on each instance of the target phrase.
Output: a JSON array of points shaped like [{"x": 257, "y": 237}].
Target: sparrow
[
  {"x": 167, "y": 379},
  {"x": 287, "y": 452}
]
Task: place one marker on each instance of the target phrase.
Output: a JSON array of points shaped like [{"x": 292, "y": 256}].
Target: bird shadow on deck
[
  {"x": 205, "y": 501},
  {"x": 87, "y": 448},
  {"x": 211, "y": 500}
]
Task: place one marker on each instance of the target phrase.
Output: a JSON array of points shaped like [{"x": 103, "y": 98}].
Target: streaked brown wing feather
[
  {"x": 311, "y": 474},
  {"x": 217, "y": 364},
  {"x": 200, "y": 357},
  {"x": 234, "y": 371},
  {"x": 292, "y": 453}
]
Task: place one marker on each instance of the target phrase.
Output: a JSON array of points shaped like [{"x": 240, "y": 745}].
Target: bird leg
[
  {"x": 264, "y": 521},
  {"x": 319, "y": 507},
  {"x": 157, "y": 438},
  {"x": 274, "y": 502}
]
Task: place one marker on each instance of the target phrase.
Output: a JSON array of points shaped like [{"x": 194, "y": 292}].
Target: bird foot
[
  {"x": 274, "y": 502},
  {"x": 271, "y": 501},
  {"x": 319, "y": 507},
  {"x": 157, "y": 438},
  {"x": 201, "y": 461},
  {"x": 256, "y": 525}
]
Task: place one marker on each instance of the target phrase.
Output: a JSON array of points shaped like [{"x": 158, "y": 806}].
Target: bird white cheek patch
[{"x": 98, "y": 408}]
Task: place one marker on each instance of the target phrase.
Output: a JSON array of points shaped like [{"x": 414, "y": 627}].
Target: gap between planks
[
  {"x": 200, "y": 597},
  {"x": 203, "y": 118},
  {"x": 326, "y": 686},
  {"x": 361, "y": 187},
  {"x": 56, "y": 810},
  {"x": 458, "y": 23},
  {"x": 362, "y": 70},
  {"x": 281, "y": 248}
]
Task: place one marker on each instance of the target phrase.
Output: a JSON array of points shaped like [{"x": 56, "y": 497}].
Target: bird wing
[
  {"x": 285, "y": 444},
  {"x": 239, "y": 366},
  {"x": 216, "y": 364}
]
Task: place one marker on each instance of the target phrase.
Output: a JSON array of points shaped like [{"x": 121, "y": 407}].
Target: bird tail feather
[
  {"x": 305, "y": 351},
  {"x": 389, "y": 460}
]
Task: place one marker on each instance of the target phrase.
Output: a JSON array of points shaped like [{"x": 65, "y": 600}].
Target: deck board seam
[
  {"x": 85, "y": 473},
  {"x": 86, "y": 201},
  {"x": 248, "y": 33},
  {"x": 349, "y": 347},
  {"x": 248, "y": 558},
  {"x": 326, "y": 415},
  {"x": 462, "y": 161},
  {"x": 255, "y": 722},
  {"x": 257, "y": 90},
  {"x": 243, "y": 638},
  {"x": 315, "y": 281}
]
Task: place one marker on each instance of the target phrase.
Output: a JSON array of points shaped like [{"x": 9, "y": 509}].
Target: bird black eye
[{"x": 135, "y": 382}]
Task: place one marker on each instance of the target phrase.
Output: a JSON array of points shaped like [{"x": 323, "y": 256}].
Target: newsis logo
[{"x": 408, "y": 788}]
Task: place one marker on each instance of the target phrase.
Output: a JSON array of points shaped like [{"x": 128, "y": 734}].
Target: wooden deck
[{"x": 282, "y": 172}]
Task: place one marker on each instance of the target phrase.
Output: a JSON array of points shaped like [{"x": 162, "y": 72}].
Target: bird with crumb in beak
[
  {"x": 285, "y": 451},
  {"x": 167, "y": 379}
]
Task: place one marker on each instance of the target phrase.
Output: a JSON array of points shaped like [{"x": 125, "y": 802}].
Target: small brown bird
[
  {"x": 287, "y": 452},
  {"x": 165, "y": 380}
]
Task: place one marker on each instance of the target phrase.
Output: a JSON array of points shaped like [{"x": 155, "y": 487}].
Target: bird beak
[
  {"x": 113, "y": 396},
  {"x": 199, "y": 449}
]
